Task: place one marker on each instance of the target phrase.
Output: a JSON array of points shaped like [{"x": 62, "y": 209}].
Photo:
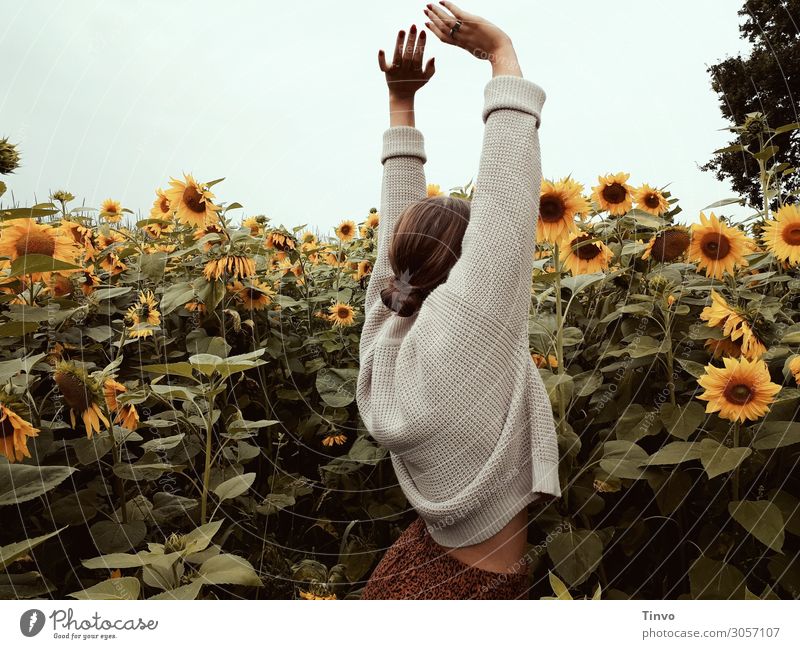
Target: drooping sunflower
[
  {"x": 191, "y": 201},
  {"x": 334, "y": 257},
  {"x": 209, "y": 228},
  {"x": 126, "y": 414},
  {"x": 559, "y": 204},
  {"x": 613, "y": 194},
  {"x": 286, "y": 267},
  {"x": 794, "y": 368},
  {"x": 111, "y": 210},
  {"x": 112, "y": 264},
  {"x": 143, "y": 315},
  {"x": 81, "y": 394},
  {"x": 668, "y": 245},
  {"x": 650, "y": 200},
  {"x": 27, "y": 237},
  {"x": 255, "y": 295},
  {"x": 108, "y": 237},
  {"x": 341, "y": 314},
  {"x": 541, "y": 361},
  {"x": 735, "y": 325},
  {"x": 195, "y": 305},
  {"x": 255, "y": 224},
  {"x": 14, "y": 431},
  {"x": 583, "y": 258},
  {"x": 280, "y": 241},
  {"x": 83, "y": 237},
  {"x": 723, "y": 347},
  {"x": 371, "y": 222},
  {"x": 90, "y": 280},
  {"x": 741, "y": 390},
  {"x": 334, "y": 438},
  {"x": 346, "y": 230},
  {"x": 238, "y": 266},
  {"x": 59, "y": 285},
  {"x": 161, "y": 207},
  {"x": 432, "y": 189},
  {"x": 717, "y": 247},
  {"x": 364, "y": 269},
  {"x": 781, "y": 235}
]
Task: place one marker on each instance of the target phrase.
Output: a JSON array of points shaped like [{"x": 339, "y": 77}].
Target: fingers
[
  {"x": 398, "y": 49},
  {"x": 408, "y": 50},
  {"x": 429, "y": 69},
  {"x": 442, "y": 37},
  {"x": 419, "y": 52},
  {"x": 458, "y": 13},
  {"x": 382, "y": 61},
  {"x": 446, "y": 20}
]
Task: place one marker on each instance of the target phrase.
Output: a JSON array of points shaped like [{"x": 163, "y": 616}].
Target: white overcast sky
[{"x": 286, "y": 101}]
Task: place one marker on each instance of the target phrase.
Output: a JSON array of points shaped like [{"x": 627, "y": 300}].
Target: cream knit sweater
[{"x": 452, "y": 391}]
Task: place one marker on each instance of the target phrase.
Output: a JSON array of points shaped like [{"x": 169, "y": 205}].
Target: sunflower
[
  {"x": 723, "y": 347},
  {"x": 90, "y": 280},
  {"x": 83, "y": 237},
  {"x": 364, "y": 269},
  {"x": 254, "y": 224},
  {"x": 541, "y": 361},
  {"x": 740, "y": 390},
  {"x": 372, "y": 221},
  {"x": 341, "y": 314},
  {"x": 782, "y": 234},
  {"x": 111, "y": 210},
  {"x": 280, "y": 241},
  {"x": 59, "y": 285},
  {"x": 346, "y": 230},
  {"x": 81, "y": 394},
  {"x": 143, "y": 315},
  {"x": 794, "y": 368},
  {"x": 161, "y": 206},
  {"x": 237, "y": 266},
  {"x": 126, "y": 412},
  {"x": 717, "y": 247},
  {"x": 735, "y": 326},
  {"x": 208, "y": 228},
  {"x": 27, "y": 237},
  {"x": 311, "y": 595},
  {"x": 108, "y": 238},
  {"x": 195, "y": 305},
  {"x": 559, "y": 203},
  {"x": 668, "y": 244},
  {"x": 191, "y": 201},
  {"x": 14, "y": 433},
  {"x": 112, "y": 264},
  {"x": 334, "y": 438},
  {"x": 613, "y": 193},
  {"x": 585, "y": 258},
  {"x": 255, "y": 296},
  {"x": 433, "y": 190},
  {"x": 650, "y": 200}
]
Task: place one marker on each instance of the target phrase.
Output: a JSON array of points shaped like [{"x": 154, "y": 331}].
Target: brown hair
[{"x": 425, "y": 245}]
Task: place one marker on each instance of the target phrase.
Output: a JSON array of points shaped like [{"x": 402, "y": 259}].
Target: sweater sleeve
[
  {"x": 494, "y": 270},
  {"x": 402, "y": 157}
]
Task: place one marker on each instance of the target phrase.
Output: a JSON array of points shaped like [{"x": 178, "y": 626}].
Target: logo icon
[{"x": 31, "y": 622}]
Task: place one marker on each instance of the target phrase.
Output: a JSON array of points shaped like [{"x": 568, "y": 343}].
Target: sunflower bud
[
  {"x": 62, "y": 196},
  {"x": 755, "y": 124},
  {"x": 174, "y": 543},
  {"x": 657, "y": 283},
  {"x": 9, "y": 157}
]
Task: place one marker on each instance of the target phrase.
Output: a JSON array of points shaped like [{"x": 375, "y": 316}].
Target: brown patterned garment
[{"x": 416, "y": 567}]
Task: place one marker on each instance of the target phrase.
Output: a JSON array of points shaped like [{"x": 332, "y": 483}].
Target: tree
[{"x": 768, "y": 81}]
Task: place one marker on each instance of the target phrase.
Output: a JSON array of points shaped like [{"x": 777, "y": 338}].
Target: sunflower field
[{"x": 178, "y": 414}]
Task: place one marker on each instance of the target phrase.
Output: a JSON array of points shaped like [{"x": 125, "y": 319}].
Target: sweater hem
[{"x": 481, "y": 525}]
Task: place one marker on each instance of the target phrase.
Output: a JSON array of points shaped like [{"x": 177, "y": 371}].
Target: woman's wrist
[
  {"x": 504, "y": 61},
  {"x": 401, "y": 110}
]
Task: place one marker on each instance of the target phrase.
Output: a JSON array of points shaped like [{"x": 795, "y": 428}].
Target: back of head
[{"x": 425, "y": 245}]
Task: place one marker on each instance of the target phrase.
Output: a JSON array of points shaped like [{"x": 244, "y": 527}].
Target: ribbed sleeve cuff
[
  {"x": 509, "y": 91},
  {"x": 403, "y": 141}
]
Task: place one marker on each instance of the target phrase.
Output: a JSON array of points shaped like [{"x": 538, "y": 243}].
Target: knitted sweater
[{"x": 452, "y": 391}]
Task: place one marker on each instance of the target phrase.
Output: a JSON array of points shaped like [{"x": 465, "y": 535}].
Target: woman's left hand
[{"x": 406, "y": 75}]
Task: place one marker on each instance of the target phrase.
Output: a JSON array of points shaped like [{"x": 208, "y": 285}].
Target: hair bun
[{"x": 403, "y": 298}]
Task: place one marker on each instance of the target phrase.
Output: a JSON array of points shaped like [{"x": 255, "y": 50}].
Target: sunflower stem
[
  {"x": 559, "y": 350},
  {"x": 207, "y": 469}
]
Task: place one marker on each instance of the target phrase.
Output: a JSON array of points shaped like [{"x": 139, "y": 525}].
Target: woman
[{"x": 446, "y": 380}]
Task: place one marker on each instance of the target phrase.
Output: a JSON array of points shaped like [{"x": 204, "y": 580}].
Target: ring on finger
[{"x": 455, "y": 28}]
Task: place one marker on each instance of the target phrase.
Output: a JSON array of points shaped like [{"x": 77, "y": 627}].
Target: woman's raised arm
[
  {"x": 494, "y": 270},
  {"x": 403, "y": 152}
]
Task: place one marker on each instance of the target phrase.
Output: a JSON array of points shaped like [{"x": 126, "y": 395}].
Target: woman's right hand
[{"x": 475, "y": 34}]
